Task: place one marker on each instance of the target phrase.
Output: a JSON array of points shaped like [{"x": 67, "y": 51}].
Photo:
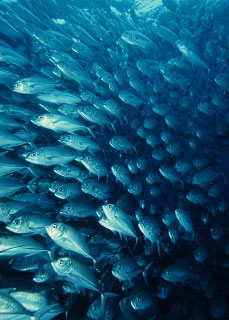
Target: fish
[
  {"x": 68, "y": 191},
  {"x": 205, "y": 176},
  {"x": 130, "y": 98},
  {"x": 221, "y": 80},
  {"x": 178, "y": 273},
  {"x": 68, "y": 238},
  {"x": 165, "y": 34},
  {"x": 113, "y": 107},
  {"x": 95, "y": 165},
  {"x": 32, "y": 223},
  {"x": 143, "y": 300},
  {"x": 127, "y": 268},
  {"x": 50, "y": 155},
  {"x": 118, "y": 220},
  {"x": 126, "y": 309},
  {"x": 77, "y": 209},
  {"x": 170, "y": 174},
  {"x": 10, "y": 56},
  {"x": 9, "y": 165},
  {"x": 185, "y": 220},
  {"x": 150, "y": 229},
  {"x": 138, "y": 39},
  {"x": 44, "y": 273},
  {"x": 80, "y": 143},
  {"x": 120, "y": 143},
  {"x": 33, "y": 85},
  {"x": 121, "y": 174},
  {"x": 19, "y": 245},
  {"x": 135, "y": 188},
  {"x": 9, "y": 141},
  {"x": 9, "y": 186},
  {"x": 71, "y": 171},
  {"x": 59, "y": 123},
  {"x": 190, "y": 51},
  {"x": 77, "y": 272},
  {"x": 58, "y": 96},
  {"x": 94, "y": 115},
  {"x": 12, "y": 309},
  {"x": 83, "y": 50}
]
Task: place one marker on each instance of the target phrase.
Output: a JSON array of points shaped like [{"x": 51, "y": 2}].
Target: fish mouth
[
  {"x": 15, "y": 89},
  {"x": 34, "y": 120},
  {"x": 62, "y": 139},
  {"x": 10, "y": 228},
  {"x": 53, "y": 264},
  {"x": 48, "y": 228},
  {"x": 37, "y": 279}
]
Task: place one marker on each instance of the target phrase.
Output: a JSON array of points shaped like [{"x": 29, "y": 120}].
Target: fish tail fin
[
  {"x": 158, "y": 247},
  {"x": 145, "y": 272},
  {"x": 136, "y": 242},
  {"x": 113, "y": 127},
  {"x": 126, "y": 119},
  {"x": 91, "y": 132},
  {"x": 31, "y": 170},
  {"x": 105, "y": 296},
  {"x": 32, "y": 144},
  {"x": 29, "y": 184},
  {"x": 94, "y": 261},
  {"x": 43, "y": 311},
  {"x": 51, "y": 254}
]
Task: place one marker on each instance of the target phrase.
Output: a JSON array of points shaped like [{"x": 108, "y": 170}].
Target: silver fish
[
  {"x": 33, "y": 85},
  {"x": 69, "y": 239},
  {"x": 48, "y": 156}
]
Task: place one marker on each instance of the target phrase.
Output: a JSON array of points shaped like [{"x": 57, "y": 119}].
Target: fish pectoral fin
[
  {"x": 43, "y": 311},
  {"x": 69, "y": 242},
  {"x": 53, "y": 158}
]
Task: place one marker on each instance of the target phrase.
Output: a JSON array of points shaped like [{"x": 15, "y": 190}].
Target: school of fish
[{"x": 114, "y": 153}]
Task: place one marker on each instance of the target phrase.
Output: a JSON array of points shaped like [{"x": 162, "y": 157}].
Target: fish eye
[
  {"x": 94, "y": 239},
  {"x": 40, "y": 117},
  {"x": 60, "y": 189},
  {"x": 109, "y": 206},
  {"x": 54, "y": 226},
  {"x": 16, "y": 222},
  {"x": 94, "y": 308},
  {"x": 34, "y": 184},
  {"x": 33, "y": 154},
  {"x": 119, "y": 267},
  {"x": 42, "y": 272},
  {"x": 138, "y": 299},
  {"x": 60, "y": 262},
  {"x": 68, "y": 208}
]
